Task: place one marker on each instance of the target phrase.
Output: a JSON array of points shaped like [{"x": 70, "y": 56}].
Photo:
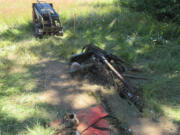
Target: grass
[
  {"x": 38, "y": 129},
  {"x": 138, "y": 38}
]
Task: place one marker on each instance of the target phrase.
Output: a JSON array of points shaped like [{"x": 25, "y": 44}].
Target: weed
[{"x": 136, "y": 37}]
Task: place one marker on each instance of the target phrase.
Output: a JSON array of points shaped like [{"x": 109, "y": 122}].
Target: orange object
[
  {"x": 55, "y": 122},
  {"x": 90, "y": 116},
  {"x": 100, "y": 128},
  {"x": 74, "y": 22},
  {"x": 91, "y": 121}
]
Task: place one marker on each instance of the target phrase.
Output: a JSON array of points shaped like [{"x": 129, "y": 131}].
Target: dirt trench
[{"x": 73, "y": 95}]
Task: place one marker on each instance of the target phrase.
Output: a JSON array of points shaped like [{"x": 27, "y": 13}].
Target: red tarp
[
  {"x": 100, "y": 128},
  {"x": 91, "y": 121}
]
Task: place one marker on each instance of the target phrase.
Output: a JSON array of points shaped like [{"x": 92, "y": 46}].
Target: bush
[{"x": 161, "y": 9}]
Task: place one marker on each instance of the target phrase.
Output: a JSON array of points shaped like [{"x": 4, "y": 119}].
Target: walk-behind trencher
[{"x": 46, "y": 20}]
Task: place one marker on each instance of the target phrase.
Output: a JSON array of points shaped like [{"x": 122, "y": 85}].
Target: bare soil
[{"x": 72, "y": 95}]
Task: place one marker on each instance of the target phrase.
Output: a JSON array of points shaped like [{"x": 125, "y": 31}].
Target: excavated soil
[{"x": 73, "y": 95}]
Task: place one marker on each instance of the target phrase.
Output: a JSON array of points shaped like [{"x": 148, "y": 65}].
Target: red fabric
[
  {"x": 90, "y": 116},
  {"x": 89, "y": 121},
  {"x": 55, "y": 122},
  {"x": 93, "y": 130}
]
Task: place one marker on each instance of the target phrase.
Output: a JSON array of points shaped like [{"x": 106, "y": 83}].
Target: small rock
[
  {"x": 75, "y": 66},
  {"x": 129, "y": 130}
]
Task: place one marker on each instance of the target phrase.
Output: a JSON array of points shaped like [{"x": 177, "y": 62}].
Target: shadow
[
  {"x": 131, "y": 36},
  {"x": 163, "y": 11},
  {"x": 133, "y": 43},
  {"x": 96, "y": 5},
  {"x": 11, "y": 126},
  {"x": 18, "y": 33},
  {"x": 53, "y": 78},
  {"x": 58, "y": 93},
  {"x": 177, "y": 122}
]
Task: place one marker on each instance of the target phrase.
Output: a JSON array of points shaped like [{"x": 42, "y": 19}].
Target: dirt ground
[{"x": 73, "y": 95}]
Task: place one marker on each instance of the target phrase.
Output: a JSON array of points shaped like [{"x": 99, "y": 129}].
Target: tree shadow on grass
[
  {"x": 125, "y": 34},
  {"x": 137, "y": 39},
  {"x": 18, "y": 33},
  {"x": 50, "y": 84},
  {"x": 132, "y": 43},
  {"x": 134, "y": 38},
  {"x": 57, "y": 93},
  {"x": 10, "y": 125}
]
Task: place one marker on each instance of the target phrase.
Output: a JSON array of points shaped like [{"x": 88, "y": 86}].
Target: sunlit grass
[
  {"x": 21, "y": 109},
  {"x": 135, "y": 37},
  {"x": 172, "y": 112},
  {"x": 38, "y": 129}
]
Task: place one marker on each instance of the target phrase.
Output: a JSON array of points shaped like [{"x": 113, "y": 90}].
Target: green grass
[
  {"x": 137, "y": 38},
  {"x": 38, "y": 129}
]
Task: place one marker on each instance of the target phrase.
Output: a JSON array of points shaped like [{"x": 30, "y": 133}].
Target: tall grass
[{"x": 142, "y": 41}]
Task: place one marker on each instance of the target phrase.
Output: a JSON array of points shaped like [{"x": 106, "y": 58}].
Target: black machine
[
  {"x": 46, "y": 20},
  {"x": 113, "y": 64}
]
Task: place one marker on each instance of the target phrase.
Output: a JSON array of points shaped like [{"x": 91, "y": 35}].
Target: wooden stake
[{"x": 74, "y": 22}]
